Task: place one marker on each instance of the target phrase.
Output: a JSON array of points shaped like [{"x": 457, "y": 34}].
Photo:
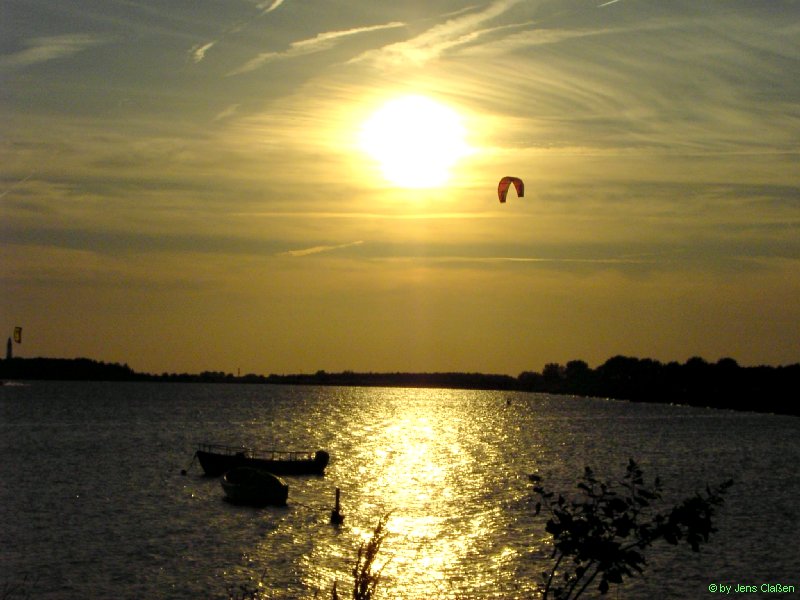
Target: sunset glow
[{"x": 288, "y": 186}]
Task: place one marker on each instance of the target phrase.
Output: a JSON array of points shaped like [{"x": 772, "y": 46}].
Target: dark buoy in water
[
  {"x": 186, "y": 470},
  {"x": 336, "y": 515}
]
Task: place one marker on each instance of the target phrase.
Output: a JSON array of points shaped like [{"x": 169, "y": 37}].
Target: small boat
[
  {"x": 245, "y": 485},
  {"x": 217, "y": 459}
]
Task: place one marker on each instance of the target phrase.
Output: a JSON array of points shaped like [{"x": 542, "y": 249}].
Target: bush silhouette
[{"x": 601, "y": 535}]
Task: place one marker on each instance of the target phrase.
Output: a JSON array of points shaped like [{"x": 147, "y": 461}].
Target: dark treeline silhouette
[
  {"x": 723, "y": 384},
  {"x": 66, "y": 369},
  {"x": 470, "y": 381}
]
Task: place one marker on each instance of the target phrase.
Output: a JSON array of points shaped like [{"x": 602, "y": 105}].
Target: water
[{"x": 92, "y": 503}]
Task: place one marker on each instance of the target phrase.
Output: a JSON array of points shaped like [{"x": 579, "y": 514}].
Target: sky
[{"x": 213, "y": 184}]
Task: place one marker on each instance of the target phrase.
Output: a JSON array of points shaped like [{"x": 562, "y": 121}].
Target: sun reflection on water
[
  {"x": 444, "y": 464},
  {"x": 427, "y": 459}
]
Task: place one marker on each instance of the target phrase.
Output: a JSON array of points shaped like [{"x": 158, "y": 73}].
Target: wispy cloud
[
  {"x": 533, "y": 259},
  {"x": 457, "y": 31},
  {"x": 198, "y": 52},
  {"x": 43, "y": 49},
  {"x": 268, "y": 7},
  {"x": 540, "y": 37},
  {"x": 369, "y": 215},
  {"x": 319, "y": 249},
  {"x": 228, "y": 112},
  {"x": 318, "y": 43}
]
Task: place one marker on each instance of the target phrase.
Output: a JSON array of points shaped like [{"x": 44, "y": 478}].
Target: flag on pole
[{"x": 18, "y": 334}]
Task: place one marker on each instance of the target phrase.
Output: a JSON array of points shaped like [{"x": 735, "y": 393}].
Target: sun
[{"x": 415, "y": 140}]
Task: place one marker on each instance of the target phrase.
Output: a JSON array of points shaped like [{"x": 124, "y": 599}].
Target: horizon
[
  {"x": 283, "y": 188},
  {"x": 313, "y": 372}
]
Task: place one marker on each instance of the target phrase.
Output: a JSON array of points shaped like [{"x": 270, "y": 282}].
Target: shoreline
[{"x": 723, "y": 384}]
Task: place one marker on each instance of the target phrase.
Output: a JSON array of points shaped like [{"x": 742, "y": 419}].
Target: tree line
[{"x": 697, "y": 382}]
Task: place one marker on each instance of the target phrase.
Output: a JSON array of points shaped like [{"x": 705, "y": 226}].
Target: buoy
[
  {"x": 186, "y": 470},
  {"x": 336, "y": 515}
]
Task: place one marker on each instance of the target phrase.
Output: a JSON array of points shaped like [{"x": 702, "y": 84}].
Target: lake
[{"x": 93, "y": 505}]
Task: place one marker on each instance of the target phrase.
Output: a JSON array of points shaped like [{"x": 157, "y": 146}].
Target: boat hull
[
  {"x": 215, "y": 462},
  {"x": 254, "y": 487}
]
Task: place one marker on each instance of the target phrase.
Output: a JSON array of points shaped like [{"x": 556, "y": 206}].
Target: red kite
[{"x": 505, "y": 182}]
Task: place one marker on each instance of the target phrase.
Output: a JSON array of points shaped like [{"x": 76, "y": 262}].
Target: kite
[{"x": 505, "y": 183}]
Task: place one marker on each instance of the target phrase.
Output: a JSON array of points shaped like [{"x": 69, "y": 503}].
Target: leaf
[
  {"x": 635, "y": 559},
  {"x": 644, "y": 493},
  {"x": 614, "y": 577},
  {"x": 618, "y": 505}
]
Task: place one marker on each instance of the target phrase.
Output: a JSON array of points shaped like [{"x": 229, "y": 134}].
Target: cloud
[
  {"x": 554, "y": 260},
  {"x": 320, "y": 42},
  {"x": 405, "y": 216},
  {"x": 540, "y": 37},
  {"x": 43, "y": 49},
  {"x": 228, "y": 112},
  {"x": 198, "y": 52},
  {"x": 430, "y": 44},
  {"x": 583, "y": 88},
  {"x": 319, "y": 249},
  {"x": 268, "y": 7}
]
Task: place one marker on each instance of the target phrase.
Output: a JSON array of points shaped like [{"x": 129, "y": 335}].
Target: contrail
[
  {"x": 607, "y": 3},
  {"x": 322, "y": 41},
  {"x": 15, "y": 184},
  {"x": 198, "y": 51},
  {"x": 318, "y": 249}
]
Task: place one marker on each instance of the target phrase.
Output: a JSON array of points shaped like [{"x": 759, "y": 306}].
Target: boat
[
  {"x": 254, "y": 487},
  {"x": 217, "y": 459}
]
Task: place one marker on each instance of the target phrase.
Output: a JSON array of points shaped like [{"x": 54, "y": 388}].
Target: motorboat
[
  {"x": 255, "y": 487},
  {"x": 217, "y": 459}
]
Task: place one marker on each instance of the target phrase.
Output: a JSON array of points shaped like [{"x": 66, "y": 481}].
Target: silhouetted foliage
[
  {"x": 723, "y": 384},
  {"x": 600, "y": 537},
  {"x": 64, "y": 369},
  {"x": 365, "y": 576}
]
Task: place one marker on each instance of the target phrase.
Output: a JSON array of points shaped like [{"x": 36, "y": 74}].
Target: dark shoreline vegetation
[{"x": 723, "y": 384}]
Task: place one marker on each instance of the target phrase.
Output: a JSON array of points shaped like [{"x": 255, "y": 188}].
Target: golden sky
[{"x": 231, "y": 185}]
